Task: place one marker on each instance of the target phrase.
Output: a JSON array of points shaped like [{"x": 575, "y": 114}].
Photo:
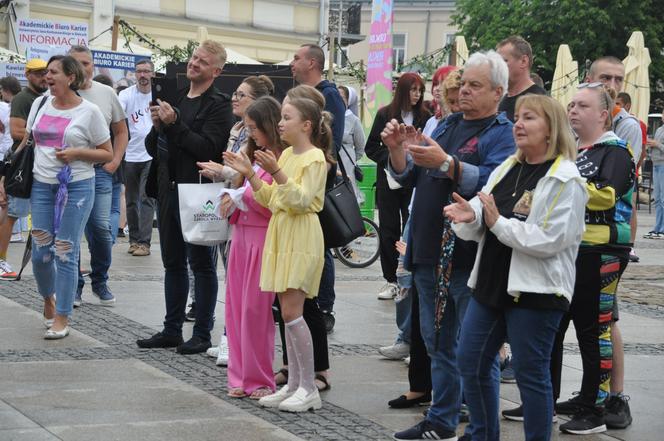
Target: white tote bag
[{"x": 200, "y": 223}]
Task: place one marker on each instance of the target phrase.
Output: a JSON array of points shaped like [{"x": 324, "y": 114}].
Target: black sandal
[
  {"x": 284, "y": 372},
  {"x": 322, "y": 379}
]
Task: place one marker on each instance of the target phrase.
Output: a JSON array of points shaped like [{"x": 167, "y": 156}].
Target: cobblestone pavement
[{"x": 120, "y": 334}]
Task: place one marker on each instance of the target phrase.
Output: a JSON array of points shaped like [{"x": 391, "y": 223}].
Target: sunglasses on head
[{"x": 590, "y": 85}]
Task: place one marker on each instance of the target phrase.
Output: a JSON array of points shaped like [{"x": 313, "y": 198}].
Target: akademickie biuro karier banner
[
  {"x": 117, "y": 65},
  {"x": 379, "y": 63},
  {"x": 45, "y": 38}
]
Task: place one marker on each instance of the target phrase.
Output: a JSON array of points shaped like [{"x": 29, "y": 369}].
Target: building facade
[
  {"x": 267, "y": 31},
  {"x": 419, "y": 27}
]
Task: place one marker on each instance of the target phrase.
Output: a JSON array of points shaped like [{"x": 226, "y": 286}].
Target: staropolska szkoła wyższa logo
[{"x": 207, "y": 214}]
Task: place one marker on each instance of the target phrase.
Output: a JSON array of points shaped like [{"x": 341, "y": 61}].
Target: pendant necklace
[{"x": 518, "y": 177}]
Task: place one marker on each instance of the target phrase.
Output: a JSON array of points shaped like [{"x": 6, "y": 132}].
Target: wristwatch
[{"x": 445, "y": 166}]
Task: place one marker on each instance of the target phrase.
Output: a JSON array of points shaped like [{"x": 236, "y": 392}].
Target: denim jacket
[{"x": 496, "y": 143}]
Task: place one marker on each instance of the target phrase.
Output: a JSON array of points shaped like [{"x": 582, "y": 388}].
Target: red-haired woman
[
  {"x": 407, "y": 107},
  {"x": 437, "y": 79}
]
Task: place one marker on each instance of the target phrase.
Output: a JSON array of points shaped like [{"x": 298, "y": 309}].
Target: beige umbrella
[
  {"x": 565, "y": 76},
  {"x": 461, "y": 50},
  {"x": 637, "y": 84}
]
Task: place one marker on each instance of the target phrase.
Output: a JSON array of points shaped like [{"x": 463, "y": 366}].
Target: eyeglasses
[
  {"x": 606, "y": 98},
  {"x": 239, "y": 95},
  {"x": 590, "y": 85}
]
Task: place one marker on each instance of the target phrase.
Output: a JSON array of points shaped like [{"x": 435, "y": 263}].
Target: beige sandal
[
  {"x": 236, "y": 392},
  {"x": 260, "y": 393}
]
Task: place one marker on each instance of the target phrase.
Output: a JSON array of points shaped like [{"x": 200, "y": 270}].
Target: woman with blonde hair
[
  {"x": 292, "y": 261},
  {"x": 606, "y": 162},
  {"x": 313, "y": 312},
  {"x": 528, "y": 220}
]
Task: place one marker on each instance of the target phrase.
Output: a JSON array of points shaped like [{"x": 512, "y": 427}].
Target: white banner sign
[
  {"x": 13, "y": 70},
  {"x": 45, "y": 38}
]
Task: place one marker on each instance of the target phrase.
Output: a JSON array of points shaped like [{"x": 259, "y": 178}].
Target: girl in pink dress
[{"x": 249, "y": 322}]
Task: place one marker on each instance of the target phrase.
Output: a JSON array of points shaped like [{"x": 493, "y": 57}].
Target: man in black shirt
[
  {"x": 196, "y": 130},
  {"x": 518, "y": 55},
  {"x": 473, "y": 143}
]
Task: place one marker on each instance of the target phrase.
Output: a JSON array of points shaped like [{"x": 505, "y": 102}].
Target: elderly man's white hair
[{"x": 497, "y": 67}]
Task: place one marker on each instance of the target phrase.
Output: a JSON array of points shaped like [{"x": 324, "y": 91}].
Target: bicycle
[{"x": 364, "y": 250}]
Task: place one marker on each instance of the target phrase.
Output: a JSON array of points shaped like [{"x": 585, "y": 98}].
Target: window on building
[{"x": 398, "y": 50}]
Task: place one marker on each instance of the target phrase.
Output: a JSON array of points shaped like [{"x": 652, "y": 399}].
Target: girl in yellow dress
[{"x": 293, "y": 254}]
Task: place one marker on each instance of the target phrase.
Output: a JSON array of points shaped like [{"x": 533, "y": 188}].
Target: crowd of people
[{"x": 530, "y": 205}]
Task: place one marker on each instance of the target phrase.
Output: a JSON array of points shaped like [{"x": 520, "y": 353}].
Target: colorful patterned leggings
[{"x": 591, "y": 310}]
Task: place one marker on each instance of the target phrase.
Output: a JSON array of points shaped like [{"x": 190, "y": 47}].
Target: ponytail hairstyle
[
  {"x": 260, "y": 85},
  {"x": 309, "y": 92},
  {"x": 265, "y": 112},
  {"x": 321, "y": 133}
]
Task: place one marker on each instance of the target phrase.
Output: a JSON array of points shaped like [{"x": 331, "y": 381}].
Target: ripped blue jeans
[{"x": 55, "y": 257}]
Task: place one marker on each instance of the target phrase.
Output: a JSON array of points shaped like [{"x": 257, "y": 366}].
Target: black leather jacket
[{"x": 205, "y": 140}]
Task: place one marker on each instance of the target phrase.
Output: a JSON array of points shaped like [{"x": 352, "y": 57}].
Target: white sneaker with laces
[
  {"x": 222, "y": 355},
  {"x": 397, "y": 351},
  {"x": 388, "y": 291},
  {"x": 212, "y": 352},
  {"x": 301, "y": 401}
]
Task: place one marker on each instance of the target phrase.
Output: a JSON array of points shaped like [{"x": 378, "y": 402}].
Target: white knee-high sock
[
  {"x": 293, "y": 365},
  {"x": 304, "y": 352}
]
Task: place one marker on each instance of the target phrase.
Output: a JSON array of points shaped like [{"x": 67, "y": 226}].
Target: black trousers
[
  {"x": 175, "y": 255},
  {"x": 591, "y": 311},
  {"x": 392, "y": 217},
  {"x": 419, "y": 368},
  {"x": 314, "y": 318}
]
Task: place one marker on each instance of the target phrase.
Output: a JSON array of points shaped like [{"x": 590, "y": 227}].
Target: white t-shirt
[
  {"x": 6, "y": 140},
  {"x": 107, "y": 101},
  {"x": 136, "y": 106},
  {"x": 82, "y": 126}
]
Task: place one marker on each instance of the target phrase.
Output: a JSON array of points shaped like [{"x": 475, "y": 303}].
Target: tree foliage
[{"x": 591, "y": 28}]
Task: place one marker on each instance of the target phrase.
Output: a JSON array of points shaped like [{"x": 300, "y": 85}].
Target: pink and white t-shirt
[{"x": 53, "y": 129}]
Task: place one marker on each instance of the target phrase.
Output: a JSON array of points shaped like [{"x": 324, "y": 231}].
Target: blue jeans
[
  {"x": 531, "y": 333},
  {"x": 404, "y": 304},
  {"x": 445, "y": 379},
  {"x": 115, "y": 209},
  {"x": 326, "y": 294},
  {"x": 98, "y": 231},
  {"x": 658, "y": 182},
  {"x": 55, "y": 256}
]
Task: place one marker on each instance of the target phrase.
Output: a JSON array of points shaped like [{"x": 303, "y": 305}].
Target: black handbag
[
  {"x": 340, "y": 218},
  {"x": 18, "y": 166}
]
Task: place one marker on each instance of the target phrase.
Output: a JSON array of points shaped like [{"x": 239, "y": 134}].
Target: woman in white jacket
[{"x": 528, "y": 220}]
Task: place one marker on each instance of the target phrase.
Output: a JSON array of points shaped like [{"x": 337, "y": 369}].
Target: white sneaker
[
  {"x": 6, "y": 271},
  {"x": 301, "y": 401},
  {"x": 275, "y": 399},
  {"x": 222, "y": 355},
  {"x": 388, "y": 292},
  {"x": 397, "y": 351},
  {"x": 212, "y": 352}
]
